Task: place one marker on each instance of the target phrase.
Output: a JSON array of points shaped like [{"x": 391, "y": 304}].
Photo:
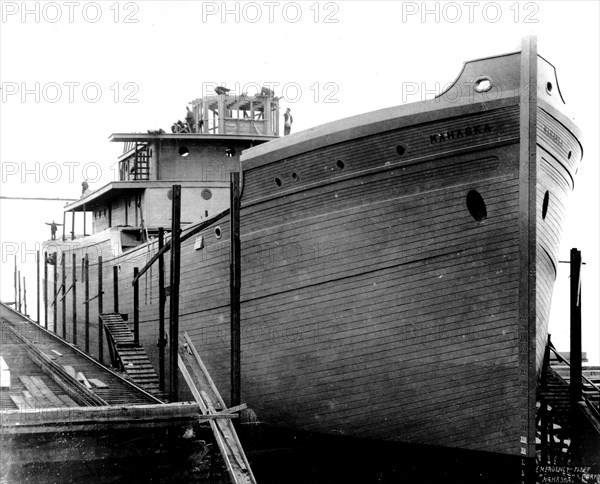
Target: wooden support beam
[
  {"x": 116, "y": 289},
  {"x": 575, "y": 313},
  {"x": 208, "y": 398},
  {"x": 63, "y": 290},
  {"x": 100, "y": 336},
  {"x": 190, "y": 233},
  {"x": 74, "y": 298},
  {"x": 20, "y": 302},
  {"x": 86, "y": 280},
  {"x": 46, "y": 289},
  {"x": 543, "y": 411},
  {"x": 24, "y": 296},
  {"x": 64, "y": 225},
  {"x": 16, "y": 279},
  {"x": 234, "y": 288},
  {"x": 174, "y": 289},
  {"x": 55, "y": 306},
  {"x": 85, "y": 419},
  {"x": 37, "y": 288},
  {"x": 161, "y": 309},
  {"x": 136, "y": 309}
]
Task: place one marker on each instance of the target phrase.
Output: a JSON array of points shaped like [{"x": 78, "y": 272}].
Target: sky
[{"x": 74, "y": 72}]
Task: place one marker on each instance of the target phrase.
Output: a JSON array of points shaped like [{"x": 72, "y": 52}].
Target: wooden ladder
[
  {"x": 210, "y": 402},
  {"x": 129, "y": 356},
  {"x": 142, "y": 162}
]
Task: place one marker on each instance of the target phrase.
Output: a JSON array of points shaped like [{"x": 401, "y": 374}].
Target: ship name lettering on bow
[
  {"x": 459, "y": 133},
  {"x": 552, "y": 135}
]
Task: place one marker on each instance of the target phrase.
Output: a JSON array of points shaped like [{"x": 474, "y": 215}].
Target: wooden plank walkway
[
  {"x": 47, "y": 368},
  {"x": 210, "y": 402}
]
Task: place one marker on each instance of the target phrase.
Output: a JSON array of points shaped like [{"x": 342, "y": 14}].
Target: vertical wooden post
[
  {"x": 161, "y": 310},
  {"x": 38, "y": 291},
  {"x": 20, "y": 302},
  {"x": 73, "y": 225},
  {"x": 575, "y": 303},
  {"x": 544, "y": 431},
  {"x": 84, "y": 221},
  {"x": 100, "y": 338},
  {"x": 55, "y": 309},
  {"x": 116, "y": 289},
  {"x": 64, "y": 225},
  {"x": 64, "y": 295},
  {"x": 16, "y": 278},
  {"x": 46, "y": 289},
  {"x": 86, "y": 278},
  {"x": 136, "y": 307},
  {"x": 174, "y": 290},
  {"x": 24, "y": 297},
  {"x": 74, "y": 298},
  {"x": 234, "y": 287}
]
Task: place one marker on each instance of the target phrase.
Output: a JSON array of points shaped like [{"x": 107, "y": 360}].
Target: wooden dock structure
[
  {"x": 31, "y": 351},
  {"x": 62, "y": 410},
  {"x": 50, "y": 387},
  {"x": 568, "y": 431}
]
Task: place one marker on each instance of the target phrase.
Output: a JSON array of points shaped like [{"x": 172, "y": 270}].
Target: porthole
[
  {"x": 295, "y": 176},
  {"x": 230, "y": 152},
  {"x": 476, "y": 205},
  {"x": 548, "y": 87},
  {"x": 184, "y": 151},
  {"x": 545, "y": 205},
  {"x": 218, "y": 232},
  {"x": 340, "y": 164},
  {"x": 400, "y": 149},
  {"x": 278, "y": 181},
  {"x": 206, "y": 194},
  {"x": 482, "y": 84},
  {"x": 569, "y": 155}
]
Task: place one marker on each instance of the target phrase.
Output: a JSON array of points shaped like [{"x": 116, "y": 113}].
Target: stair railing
[{"x": 562, "y": 359}]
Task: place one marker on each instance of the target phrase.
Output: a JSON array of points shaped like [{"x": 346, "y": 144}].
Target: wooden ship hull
[{"x": 397, "y": 267}]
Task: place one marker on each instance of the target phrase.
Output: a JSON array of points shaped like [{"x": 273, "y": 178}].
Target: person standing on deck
[
  {"x": 288, "y": 120},
  {"x": 53, "y": 227},
  {"x": 190, "y": 120}
]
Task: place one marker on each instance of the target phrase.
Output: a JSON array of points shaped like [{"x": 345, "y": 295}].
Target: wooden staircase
[{"x": 129, "y": 356}]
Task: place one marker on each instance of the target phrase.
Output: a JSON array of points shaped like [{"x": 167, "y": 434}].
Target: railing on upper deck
[{"x": 234, "y": 114}]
